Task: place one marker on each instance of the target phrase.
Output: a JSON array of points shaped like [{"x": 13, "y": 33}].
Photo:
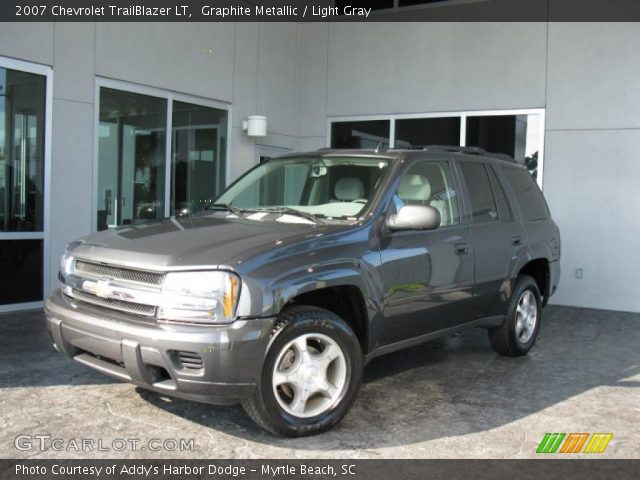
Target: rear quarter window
[{"x": 532, "y": 204}]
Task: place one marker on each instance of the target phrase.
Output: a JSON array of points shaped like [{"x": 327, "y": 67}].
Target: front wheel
[
  {"x": 311, "y": 374},
  {"x": 518, "y": 333}
]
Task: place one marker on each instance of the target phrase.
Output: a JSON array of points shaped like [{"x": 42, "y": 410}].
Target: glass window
[
  {"x": 504, "y": 212},
  {"x": 530, "y": 199},
  {"x": 366, "y": 134},
  {"x": 430, "y": 183},
  {"x": 420, "y": 132},
  {"x": 516, "y": 135},
  {"x": 21, "y": 264},
  {"x": 22, "y": 105},
  {"x": 131, "y": 157},
  {"x": 198, "y": 146},
  {"x": 483, "y": 205},
  {"x": 327, "y": 187}
]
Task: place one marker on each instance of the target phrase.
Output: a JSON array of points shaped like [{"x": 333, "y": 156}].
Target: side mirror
[{"x": 414, "y": 217}]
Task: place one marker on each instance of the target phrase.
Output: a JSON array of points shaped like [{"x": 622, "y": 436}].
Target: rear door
[{"x": 495, "y": 234}]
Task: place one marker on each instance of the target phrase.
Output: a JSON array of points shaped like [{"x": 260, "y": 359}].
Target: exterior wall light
[{"x": 255, "y": 126}]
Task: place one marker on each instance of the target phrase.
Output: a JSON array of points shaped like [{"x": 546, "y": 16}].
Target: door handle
[
  {"x": 516, "y": 240},
  {"x": 461, "y": 248}
]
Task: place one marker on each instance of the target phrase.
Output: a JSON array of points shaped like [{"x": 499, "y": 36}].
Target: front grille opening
[
  {"x": 189, "y": 360},
  {"x": 129, "y": 274},
  {"x": 123, "y": 306}
]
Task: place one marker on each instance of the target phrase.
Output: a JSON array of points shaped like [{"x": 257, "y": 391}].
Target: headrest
[
  {"x": 349, "y": 188},
  {"x": 414, "y": 187}
]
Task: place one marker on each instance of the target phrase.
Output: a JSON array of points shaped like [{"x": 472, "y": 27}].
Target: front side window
[
  {"x": 483, "y": 205},
  {"x": 431, "y": 184},
  {"x": 338, "y": 188}
]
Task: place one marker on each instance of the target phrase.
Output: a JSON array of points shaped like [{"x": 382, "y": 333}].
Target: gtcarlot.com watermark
[{"x": 46, "y": 441}]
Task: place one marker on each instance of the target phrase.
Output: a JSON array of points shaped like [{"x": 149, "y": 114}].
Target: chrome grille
[
  {"x": 119, "y": 273},
  {"x": 121, "y": 305}
]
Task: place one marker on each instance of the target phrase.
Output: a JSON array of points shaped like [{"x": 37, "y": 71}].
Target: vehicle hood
[{"x": 205, "y": 241}]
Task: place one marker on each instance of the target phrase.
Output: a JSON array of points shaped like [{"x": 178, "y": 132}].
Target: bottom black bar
[{"x": 319, "y": 469}]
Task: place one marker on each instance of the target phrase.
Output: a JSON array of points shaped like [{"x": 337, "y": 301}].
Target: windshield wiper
[
  {"x": 293, "y": 211},
  {"x": 225, "y": 206}
]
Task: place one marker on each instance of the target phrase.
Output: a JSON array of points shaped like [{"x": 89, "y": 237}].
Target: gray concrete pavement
[{"x": 452, "y": 398}]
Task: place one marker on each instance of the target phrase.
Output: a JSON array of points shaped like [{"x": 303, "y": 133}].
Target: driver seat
[{"x": 348, "y": 189}]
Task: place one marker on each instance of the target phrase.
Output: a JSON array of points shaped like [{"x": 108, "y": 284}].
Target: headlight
[
  {"x": 67, "y": 263},
  {"x": 199, "y": 297}
]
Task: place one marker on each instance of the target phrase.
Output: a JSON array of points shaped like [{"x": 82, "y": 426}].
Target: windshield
[{"x": 329, "y": 187}]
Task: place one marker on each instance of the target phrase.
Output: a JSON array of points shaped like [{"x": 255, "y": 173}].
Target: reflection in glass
[
  {"x": 131, "y": 158},
  {"x": 515, "y": 135},
  {"x": 421, "y": 132},
  {"x": 199, "y": 139},
  {"x": 365, "y": 134},
  {"x": 22, "y": 105}
]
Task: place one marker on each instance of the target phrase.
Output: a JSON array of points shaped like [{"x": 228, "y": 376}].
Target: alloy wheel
[{"x": 310, "y": 375}]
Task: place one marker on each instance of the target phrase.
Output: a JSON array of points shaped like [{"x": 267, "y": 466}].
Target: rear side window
[
  {"x": 501, "y": 199},
  {"x": 529, "y": 196},
  {"x": 483, "y": 205}
]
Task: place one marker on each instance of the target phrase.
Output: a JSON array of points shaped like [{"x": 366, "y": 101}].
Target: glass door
[
  {"x": 22, "y": 160},
  {"x": 198, "y": 151}
]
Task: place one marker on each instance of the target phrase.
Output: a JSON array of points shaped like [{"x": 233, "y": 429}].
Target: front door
[{"x": 428, "y": 275}]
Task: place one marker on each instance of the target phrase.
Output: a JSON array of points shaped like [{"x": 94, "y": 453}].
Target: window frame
[
  {"x": 45, "y": 234},
  {"x": 170, "y": 96},
  {"x": 462, "y": 114}
]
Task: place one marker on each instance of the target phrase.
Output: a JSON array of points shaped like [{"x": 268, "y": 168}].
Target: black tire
[
  {"x": 263, "y": 407},
  {"x": 503, "y": 338}
]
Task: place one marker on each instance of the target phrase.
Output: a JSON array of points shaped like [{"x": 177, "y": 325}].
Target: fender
[
  {"x": 347, "y": 272},
  {"x": 339, "y": 273}
]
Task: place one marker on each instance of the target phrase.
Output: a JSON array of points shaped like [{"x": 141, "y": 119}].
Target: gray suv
[{"x": 306, "y": 268}]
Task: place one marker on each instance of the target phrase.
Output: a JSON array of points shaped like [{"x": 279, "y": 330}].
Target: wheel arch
[{"x": 341, "y": 289}]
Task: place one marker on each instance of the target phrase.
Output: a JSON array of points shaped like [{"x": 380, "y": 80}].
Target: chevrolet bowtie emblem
[{"x": 100, "y": 288}]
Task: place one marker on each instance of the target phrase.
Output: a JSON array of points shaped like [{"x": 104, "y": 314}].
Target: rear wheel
[
  {"x": 311, "y": 374},
  {"x": 518, "y": 333}
]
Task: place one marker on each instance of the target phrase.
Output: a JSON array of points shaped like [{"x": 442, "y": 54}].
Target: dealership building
[{"x": 106, "y": 124}]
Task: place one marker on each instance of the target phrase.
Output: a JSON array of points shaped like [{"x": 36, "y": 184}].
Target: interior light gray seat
[
  {"x": 416, "y": 189},
  {"x": 348, "y": 189}
]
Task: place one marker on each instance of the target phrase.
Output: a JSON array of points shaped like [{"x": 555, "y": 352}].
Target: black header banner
[
  {"x": 319, "y": 11},
  {"x": 218, "y": 469}
]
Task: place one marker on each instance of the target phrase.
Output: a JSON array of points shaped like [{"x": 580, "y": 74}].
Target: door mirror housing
[{"x": 414, "y": 217}]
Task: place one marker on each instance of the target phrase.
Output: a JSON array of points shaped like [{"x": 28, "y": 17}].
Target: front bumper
[{"x": 151, "y": 355}]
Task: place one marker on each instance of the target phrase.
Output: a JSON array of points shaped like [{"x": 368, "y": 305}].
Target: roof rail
[
  {"x": 454, "y": 148},
  {"x": 470, "y": 151}
]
